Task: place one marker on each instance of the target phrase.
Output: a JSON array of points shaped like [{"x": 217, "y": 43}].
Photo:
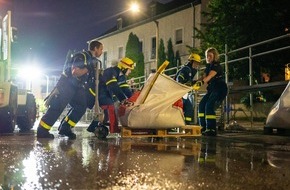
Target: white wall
[{"x": 167, "y": 27}]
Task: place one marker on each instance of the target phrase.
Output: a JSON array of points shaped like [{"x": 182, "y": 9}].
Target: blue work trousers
[
  {"x": 67, "y": 94},
  {"x": 209, "y": 103}
]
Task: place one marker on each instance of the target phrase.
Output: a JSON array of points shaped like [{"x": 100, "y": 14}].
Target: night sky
[{"x": 47, "y": 29}]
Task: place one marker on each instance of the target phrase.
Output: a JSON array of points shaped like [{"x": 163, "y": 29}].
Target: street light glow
[
  {"x": 135, "y": 7},
  {"x": 31, "y": 73}
]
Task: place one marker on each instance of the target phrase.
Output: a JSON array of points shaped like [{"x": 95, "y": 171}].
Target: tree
[
  {"x": 170, "y": 57},
  {"x": 134, "y": 52},
  {"x": 237, "y": 25},
  {"x": 161, "y": 53},
  {"x": 177, "y": 59}
]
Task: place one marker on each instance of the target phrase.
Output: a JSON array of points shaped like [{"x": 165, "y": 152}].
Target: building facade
[{"x": 176, "y": 24}]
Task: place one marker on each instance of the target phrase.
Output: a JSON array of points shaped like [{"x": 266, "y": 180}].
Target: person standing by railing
[{"x": 216, "y": 92}]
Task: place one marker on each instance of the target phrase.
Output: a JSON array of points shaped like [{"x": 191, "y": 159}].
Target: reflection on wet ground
[{"x": 243, "y": 161}]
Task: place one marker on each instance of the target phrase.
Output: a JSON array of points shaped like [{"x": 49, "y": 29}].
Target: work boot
[
  {"x": 210, "y": 132},
  {"x": 91, "y": 129},
  {"x": 203, "y": 130},
  {"x": 92, "y": 126},
  {"x": 43, "y": 133},
  {"x": 65, "y": 130}
]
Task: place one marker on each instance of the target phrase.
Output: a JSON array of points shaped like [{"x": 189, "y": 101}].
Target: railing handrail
[{"x": 141, "y": 80}]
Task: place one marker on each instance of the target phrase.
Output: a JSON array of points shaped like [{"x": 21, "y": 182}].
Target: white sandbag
[
  {"x": 280, "y": 112},
  {"x": 157, "y": 111}
]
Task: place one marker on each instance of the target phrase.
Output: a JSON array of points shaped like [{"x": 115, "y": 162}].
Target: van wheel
[
  {"x": 27, "y": 114},
  {"x": 7, "y": 120}
]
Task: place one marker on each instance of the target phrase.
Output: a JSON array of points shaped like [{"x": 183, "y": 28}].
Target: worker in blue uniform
[
  {"x": 185, "y": 75},
  {"x": 216, "y": 92},
  {"x": 109, "y": 87},
  {"x": 70, "y": 90},
  {"x": 123, "y": 84}
]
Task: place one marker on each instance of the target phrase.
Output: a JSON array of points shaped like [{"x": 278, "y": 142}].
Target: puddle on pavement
[{"x": 89, "y": 163}]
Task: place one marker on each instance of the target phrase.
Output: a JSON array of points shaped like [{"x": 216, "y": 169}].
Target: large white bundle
[
  {"x": 280, "y": 112},
  {"x": 153, "y": 108}
]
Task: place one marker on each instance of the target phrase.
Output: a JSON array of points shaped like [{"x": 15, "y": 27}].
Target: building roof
[{"x": 151, "y": 14}]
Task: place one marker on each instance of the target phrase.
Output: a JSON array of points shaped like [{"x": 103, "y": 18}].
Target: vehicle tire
[
  {"x": 27, "y": 114},
  {"x": 8, "y": 113},
  {"x": 7, "y": 120}
]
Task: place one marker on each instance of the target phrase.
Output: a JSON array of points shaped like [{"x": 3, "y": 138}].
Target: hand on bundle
[
  {"x": 127, "y": 103},
  {"x": 197, "y": 85}
]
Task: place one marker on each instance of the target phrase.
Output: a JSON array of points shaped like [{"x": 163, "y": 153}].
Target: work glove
[
  {"x": 127, "y": 103},
  {"x": 197, "y": 85}
]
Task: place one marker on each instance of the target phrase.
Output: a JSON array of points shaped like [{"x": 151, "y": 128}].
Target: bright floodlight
[
  {"x": 134, "y": 7},
  {"x": 29, "y": 72}
]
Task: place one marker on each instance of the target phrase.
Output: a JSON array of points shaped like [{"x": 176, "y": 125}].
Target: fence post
[
  {"x": 227, "y": 106},
  {"x": 251, "y": 83}
]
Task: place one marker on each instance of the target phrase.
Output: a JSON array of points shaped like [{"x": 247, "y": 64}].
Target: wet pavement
[{"x": 243, "y": 160}]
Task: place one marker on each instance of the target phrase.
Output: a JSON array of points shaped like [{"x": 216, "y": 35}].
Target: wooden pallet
[
  {"x": 276, "y": 131},
  {"x": 187, "y": 131}
]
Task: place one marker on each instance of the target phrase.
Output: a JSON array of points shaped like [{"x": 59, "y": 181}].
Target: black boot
[
  {"x": 92, "y": 126},
  {"x": 65, "y": 130},
  {"x": 203, "y": 130},
  {"x": 210, "y": 132},
  {"x": 43, "y": 133}
]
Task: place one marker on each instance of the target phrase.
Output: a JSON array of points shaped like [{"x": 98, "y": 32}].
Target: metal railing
[
  {"x": 138, "y": 82},
  {"x": 249, "y": 57}
]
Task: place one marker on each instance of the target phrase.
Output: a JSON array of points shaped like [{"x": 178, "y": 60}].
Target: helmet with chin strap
[
  {"x": 194, "y": 57},
  {"x": 126, "y": 63}
]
